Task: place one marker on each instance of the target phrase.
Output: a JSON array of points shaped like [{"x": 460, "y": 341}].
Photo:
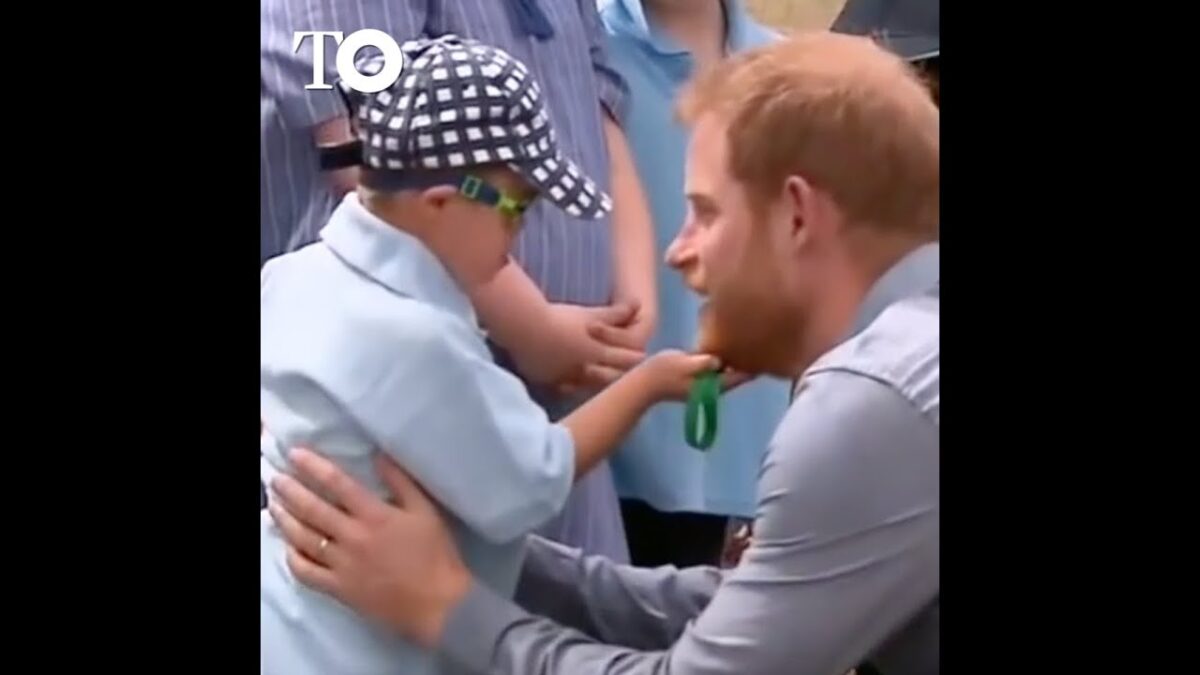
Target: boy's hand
[
  {"x": 672, "y": 372},
  {"x": 564, "y": 351},
  {"x": 633, "y": 334},
  {"x": 622, "y": 345}
]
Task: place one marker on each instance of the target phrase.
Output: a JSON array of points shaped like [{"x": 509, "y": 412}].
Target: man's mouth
[{"x": 692, "y": 278}]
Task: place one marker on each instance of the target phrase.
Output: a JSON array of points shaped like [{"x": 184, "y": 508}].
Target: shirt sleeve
[
  {"x": 616, "y": 604},
  {"x": 425, "y": 390},
  {"x": 829, "y": 577},
  {"x": 614, "y": 90},
  {"x": 287, "y": 68}
]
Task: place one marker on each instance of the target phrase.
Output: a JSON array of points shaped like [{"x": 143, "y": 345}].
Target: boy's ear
[{"x": 437, "y": 197}]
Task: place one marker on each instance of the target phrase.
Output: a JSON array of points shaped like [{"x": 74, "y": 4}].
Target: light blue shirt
[
  {"x": 655, "y": 464},
  {"x": 368, "y": 343}
]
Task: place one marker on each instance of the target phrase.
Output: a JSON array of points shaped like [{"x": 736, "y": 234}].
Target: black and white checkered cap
[{"x": 459, "y": 103}]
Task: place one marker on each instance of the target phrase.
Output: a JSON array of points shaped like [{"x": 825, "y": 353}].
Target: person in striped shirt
[{"x": 579, "y": 308}]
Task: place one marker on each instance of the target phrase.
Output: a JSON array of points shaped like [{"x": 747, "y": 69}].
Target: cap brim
[
  {"x": 914, "y": 48},
  {"x": 561, "y": 182}
]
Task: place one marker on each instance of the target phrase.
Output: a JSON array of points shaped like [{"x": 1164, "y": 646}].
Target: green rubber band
[{"x": 700, "y": 415}]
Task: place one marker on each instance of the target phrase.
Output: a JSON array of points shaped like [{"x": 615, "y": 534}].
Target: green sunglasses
[
  {"x": 468, "y": 185},
  {"x": 477, "y": 189}
]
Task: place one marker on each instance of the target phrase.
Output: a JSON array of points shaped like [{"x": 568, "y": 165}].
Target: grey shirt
[{"x": 845, "y": 561}]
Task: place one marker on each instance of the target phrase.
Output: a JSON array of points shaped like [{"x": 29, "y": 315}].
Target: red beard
[{"x": 750, "y": 334}]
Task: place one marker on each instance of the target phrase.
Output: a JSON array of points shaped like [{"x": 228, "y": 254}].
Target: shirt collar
[
  {"x": 916, "y": 273},
  {"x": 743, "y": 32},
  {"x": 393, "y": 258}
]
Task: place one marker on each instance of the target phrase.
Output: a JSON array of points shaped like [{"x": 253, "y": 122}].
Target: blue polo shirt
[
  {"x": 368, "y": 343},
  {"x": 655, "y": 464}
]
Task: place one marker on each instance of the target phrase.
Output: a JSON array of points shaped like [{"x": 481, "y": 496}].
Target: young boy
[{"x": 370, "y": 343}]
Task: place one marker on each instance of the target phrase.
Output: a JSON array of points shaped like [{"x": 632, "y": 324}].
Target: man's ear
[
  {"x": 438, "y": 196},
  {"x": 799, "y": 199}
]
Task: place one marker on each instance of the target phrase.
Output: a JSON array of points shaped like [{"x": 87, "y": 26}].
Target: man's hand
[{"x": 396, "y": 564}]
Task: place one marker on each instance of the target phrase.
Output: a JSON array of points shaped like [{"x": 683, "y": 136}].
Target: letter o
[{"x": 393, "y": 60}]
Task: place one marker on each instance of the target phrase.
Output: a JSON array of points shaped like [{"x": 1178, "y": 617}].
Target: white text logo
[{"x": 347, "y": 49}]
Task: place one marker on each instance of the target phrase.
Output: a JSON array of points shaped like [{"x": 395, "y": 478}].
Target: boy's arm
[
  {"x": 424, "y": 389},
  {"x": 508, "y": 306},
  {"x": 600, "y": 423},
  {"x": 519, "y": 319},
  {"x": 468, "y": 430},
  {"x": 550, "y": 343}
]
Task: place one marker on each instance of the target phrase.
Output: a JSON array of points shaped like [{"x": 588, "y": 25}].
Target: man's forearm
[
  {"x": 827, "y": 581},
  {"x": 489, "y": 634},
  {"x": 622, "y": 605},
  {"x": 633, "y": 227}
]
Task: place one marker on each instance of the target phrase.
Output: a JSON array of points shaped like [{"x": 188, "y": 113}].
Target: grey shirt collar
[{"x": 916, "y": 273}]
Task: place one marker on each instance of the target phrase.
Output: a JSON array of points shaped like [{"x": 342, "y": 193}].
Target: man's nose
[{"x": 680, "y": 251}]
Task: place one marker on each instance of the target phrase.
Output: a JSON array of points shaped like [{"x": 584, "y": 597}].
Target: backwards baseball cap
[{"x": 459, "y": 104}]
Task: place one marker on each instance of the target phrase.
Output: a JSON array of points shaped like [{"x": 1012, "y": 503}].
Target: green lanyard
[{"x": 700, "y": 416}]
